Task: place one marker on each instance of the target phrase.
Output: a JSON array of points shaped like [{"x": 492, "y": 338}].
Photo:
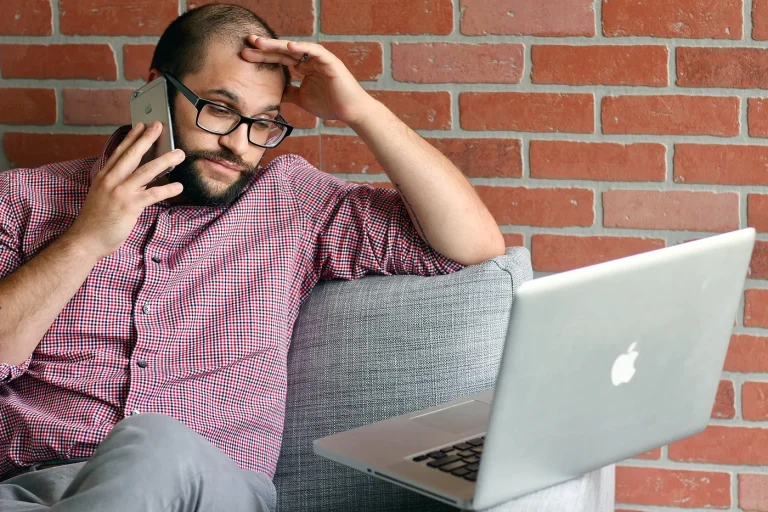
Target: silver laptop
[{"x": 600, "y": 364}]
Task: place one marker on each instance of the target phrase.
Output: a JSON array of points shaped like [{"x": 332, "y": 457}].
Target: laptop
[{"x": 599, "y": 364}]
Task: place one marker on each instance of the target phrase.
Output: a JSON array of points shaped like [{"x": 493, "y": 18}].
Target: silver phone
[{"x": 150, "y": 103}]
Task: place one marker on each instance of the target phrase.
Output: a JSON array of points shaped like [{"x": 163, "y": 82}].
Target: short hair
[{"x": 183, "y": 46}]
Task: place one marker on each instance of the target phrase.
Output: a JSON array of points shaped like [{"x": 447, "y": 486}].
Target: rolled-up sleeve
[
  {"x": 10, "y": 259},
  {"x": 359, "y": 229}
]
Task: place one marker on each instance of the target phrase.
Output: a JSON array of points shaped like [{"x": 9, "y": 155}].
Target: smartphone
[{"x": 150, "y": 103}]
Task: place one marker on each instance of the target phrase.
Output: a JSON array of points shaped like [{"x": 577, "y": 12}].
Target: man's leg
[
  {"x": 154, "y": 462},
  {"x": 38, "y": 490}
]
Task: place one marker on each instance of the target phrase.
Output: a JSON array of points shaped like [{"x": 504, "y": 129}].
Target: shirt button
[
  {"x": 155, "y": 259},
  {"x": 135, "y": 412},
  {"x": 141, "y": 363},
  {"x": 145, "y": 309}
]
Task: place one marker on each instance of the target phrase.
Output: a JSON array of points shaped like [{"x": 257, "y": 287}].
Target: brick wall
[{"x": 592, "y": 129}]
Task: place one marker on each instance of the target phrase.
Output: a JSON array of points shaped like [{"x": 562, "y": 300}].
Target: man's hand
[
  {"x": 328, "y": 90},
  {"x": 118, "y": 193}
]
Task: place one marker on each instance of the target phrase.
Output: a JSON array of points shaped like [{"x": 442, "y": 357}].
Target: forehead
[{"x": 224, "y": 69}]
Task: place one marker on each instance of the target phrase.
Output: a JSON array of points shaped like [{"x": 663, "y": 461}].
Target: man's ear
[{"x": 153, "y": 73}]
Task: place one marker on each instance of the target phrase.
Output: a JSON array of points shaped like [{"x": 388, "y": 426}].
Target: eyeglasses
[{"x": 219, "y": 119}]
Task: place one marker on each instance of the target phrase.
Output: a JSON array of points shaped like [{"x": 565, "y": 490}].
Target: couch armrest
[{"x": 366, "y": 350}]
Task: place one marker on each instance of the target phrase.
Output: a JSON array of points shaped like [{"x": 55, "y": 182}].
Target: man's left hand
[{"x": 328, "y": 90}]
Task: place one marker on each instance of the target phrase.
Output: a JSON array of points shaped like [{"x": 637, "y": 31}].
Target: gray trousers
[{"x": 148, "y": 462}]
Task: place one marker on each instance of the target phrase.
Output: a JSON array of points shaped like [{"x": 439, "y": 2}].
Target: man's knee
[{"x": 159, "y": 434}]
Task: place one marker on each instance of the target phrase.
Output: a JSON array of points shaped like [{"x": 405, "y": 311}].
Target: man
[{"x": 144, "y": 324}]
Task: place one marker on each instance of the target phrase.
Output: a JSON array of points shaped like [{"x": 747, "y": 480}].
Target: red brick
[
  {"x": 754, "y": 406},
  {"x": 26, "y": 18},
  {"x": 27, "y": 106},
  {"x": 671, "y": 115},
  {"x": 297, "y": 116},
  {"x": 723, "y": 445},
  {"x": 758, "y": 267},
  {"x": 747, "y": 354},
  {"x": 743, "y": 68},
  {"x": 524, "y": 17},
  {"x": 756, "y": 308},
  {"x": 680, "y": 19},
  {"x": 428, "y": 63},
  {"x": 673, "y": 210},
  {"x": 364, "y": 59},
  {"x": 293, "y": 18},
  {"x": 391, "y": 17},
  {"x": 527, "y": 111},
  {"x": 757, "y": 212},
  {"x": 110, "y": 18},
  {"x": 558, "y": 253},
  {"x": 600, "y": 65},
  {"x": 307, "y": 146},
  {"x": 603, "y": 161},
  {"x": 136, "y": 60},
  {"x": 725, "y": 407},
  {"x": 97, "y": 106},
  {"x": 90, "y": 61},
  {"x": 673, "y": 487},
  {"x": 474, "y": 157},
  {"x": 753, "y": 492},
  {"x": 760, "y": 20},
  {"x": 513, "y": 239},
  {"x": 483, "y": 158},
  {"x": 36, "y": 149},
  {"x": 720, "y": 164},
  {"x": 548, "y": 207},
  {"x": 420, "y": 110},
  {"x": 651, "y": 455},
  {"x": 757, "y": 117}
]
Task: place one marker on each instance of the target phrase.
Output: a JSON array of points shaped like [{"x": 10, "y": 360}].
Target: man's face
[{"x": 229, "y": 80}]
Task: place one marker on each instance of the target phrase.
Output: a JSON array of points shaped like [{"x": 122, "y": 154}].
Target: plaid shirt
[{"x": 192, "y": 317}]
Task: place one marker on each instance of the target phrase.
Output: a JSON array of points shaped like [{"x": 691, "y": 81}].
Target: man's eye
[{"x": 218, "y": 110}]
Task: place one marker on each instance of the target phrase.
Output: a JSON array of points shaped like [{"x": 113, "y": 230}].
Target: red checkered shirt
[{"x": 192, "y": 317}]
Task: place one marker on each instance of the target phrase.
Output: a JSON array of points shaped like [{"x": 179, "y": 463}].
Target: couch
[{"x": 380, "y": 346}]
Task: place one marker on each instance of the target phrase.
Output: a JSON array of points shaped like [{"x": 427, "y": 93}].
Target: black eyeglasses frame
[{"x": 199, "y": 103}]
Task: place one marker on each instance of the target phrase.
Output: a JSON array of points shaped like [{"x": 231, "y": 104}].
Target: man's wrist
[{"x": 371, "y": 112}]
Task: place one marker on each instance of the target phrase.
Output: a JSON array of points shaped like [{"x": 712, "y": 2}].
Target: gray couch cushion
[{"x": 366, "y": 350}]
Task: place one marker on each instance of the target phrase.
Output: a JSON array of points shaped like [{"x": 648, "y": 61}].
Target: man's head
[{"x": 202, "y": 49}]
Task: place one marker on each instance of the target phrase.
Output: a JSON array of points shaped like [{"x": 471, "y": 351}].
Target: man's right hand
[{"x": 118, "y": 192}]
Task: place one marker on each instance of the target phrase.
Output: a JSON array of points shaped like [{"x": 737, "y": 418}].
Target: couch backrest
[{"x": 366, "y": 350}]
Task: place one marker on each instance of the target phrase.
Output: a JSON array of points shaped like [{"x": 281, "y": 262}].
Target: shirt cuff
[{"x": 8, "y": 372}]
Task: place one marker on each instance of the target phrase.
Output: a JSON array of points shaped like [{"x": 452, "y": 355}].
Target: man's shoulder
[
  {"x": 301, "y": 175},
  {"x": 70, "y": 171}
]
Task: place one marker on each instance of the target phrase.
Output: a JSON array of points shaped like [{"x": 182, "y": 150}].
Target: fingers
[
  {"x": 156, "y": 194},
  {"x": 129, "y": 139},
  {"x": 131, "y": 156},
  {"x": 254, "y": 55},
  {"x": 293, "y": 49},
  {"x": 149, "y": 171}
]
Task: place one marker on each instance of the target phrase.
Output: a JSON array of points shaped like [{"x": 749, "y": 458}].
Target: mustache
[{"x": 226, "y": 156}]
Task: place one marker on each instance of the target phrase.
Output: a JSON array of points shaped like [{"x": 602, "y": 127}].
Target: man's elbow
[{"x": 484, "y": 253}]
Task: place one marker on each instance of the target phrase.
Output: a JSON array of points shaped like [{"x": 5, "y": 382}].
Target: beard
[{"x": 197, "y": 190}]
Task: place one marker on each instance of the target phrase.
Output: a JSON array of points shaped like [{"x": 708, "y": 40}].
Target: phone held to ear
[{"x": 148, "y": 104}]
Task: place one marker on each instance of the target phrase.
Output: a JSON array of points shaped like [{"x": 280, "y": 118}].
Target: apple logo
[{"x": 624, "y": 367}]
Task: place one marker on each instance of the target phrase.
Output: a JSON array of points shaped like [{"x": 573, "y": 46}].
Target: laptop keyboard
[{"x": 461, "y": 459}]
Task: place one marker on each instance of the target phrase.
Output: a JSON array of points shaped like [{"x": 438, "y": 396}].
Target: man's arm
[
  {"x": 442, "y": 204},
  {"x": 34, "y": 294}
]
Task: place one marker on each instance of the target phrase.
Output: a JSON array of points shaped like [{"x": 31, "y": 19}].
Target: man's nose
[{"x": 237, "y": 141}]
